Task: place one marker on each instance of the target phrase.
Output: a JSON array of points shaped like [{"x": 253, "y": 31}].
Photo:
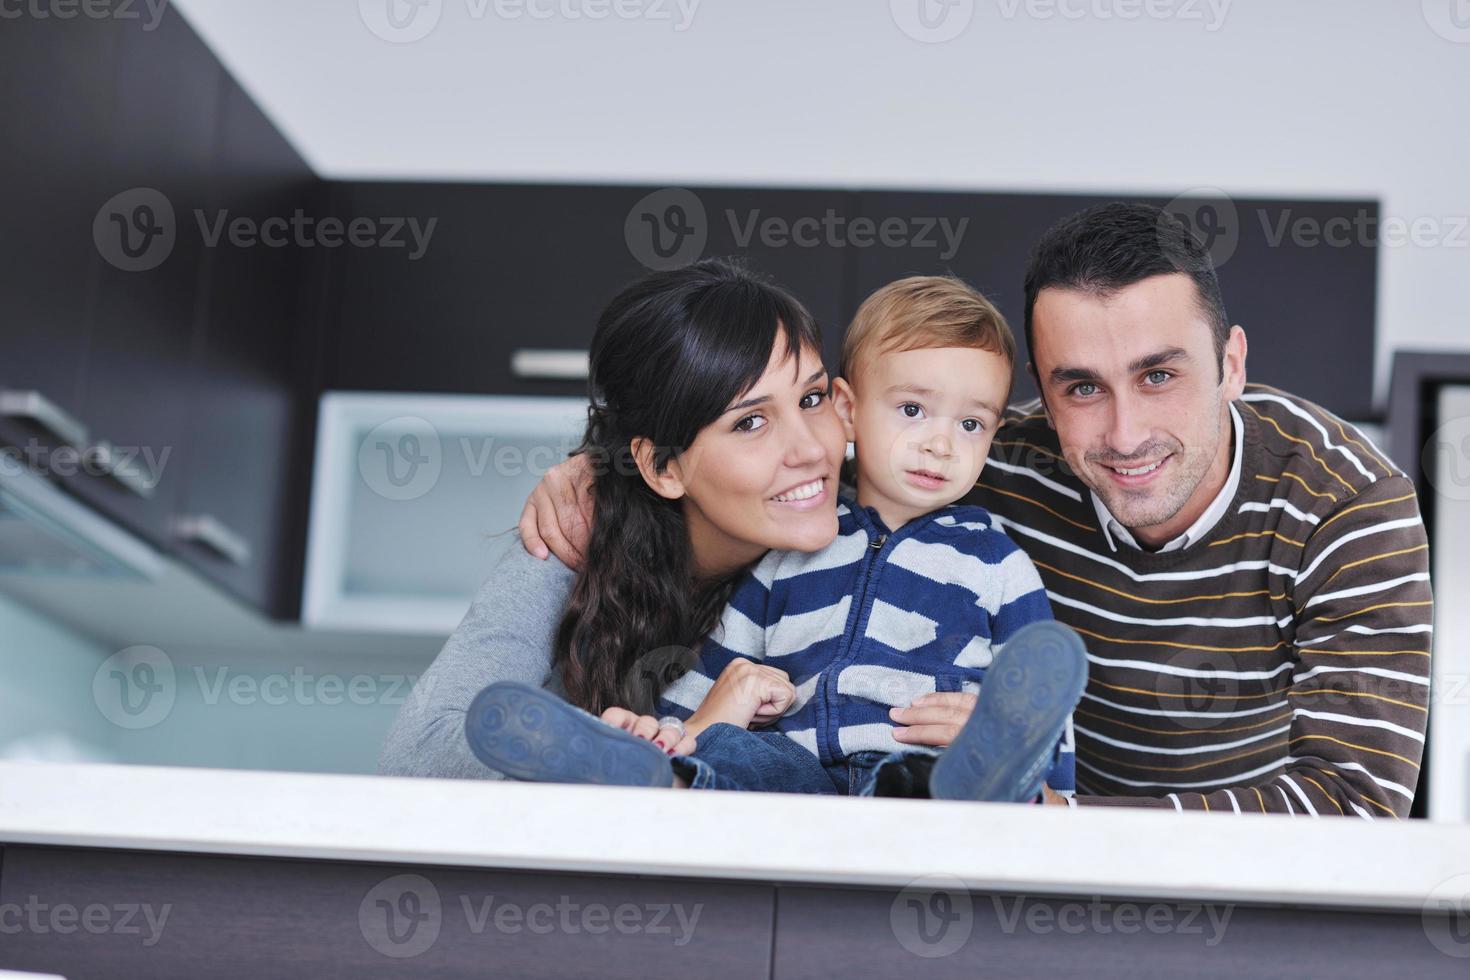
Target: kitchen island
[{"x": 174, "y": 872}]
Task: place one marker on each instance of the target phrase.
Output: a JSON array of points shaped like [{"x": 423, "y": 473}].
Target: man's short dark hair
[{"x": 1110, "y": 246}]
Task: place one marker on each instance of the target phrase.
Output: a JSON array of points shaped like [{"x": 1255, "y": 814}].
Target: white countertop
[{"x": 749, "y": 836}]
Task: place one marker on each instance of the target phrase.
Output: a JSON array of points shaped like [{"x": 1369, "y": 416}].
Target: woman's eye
[
  {"x": 812, "y": 399},
  {"x": 1157, "y": 377},
  {"x": 971, "y": 425},
  {"x": 750, "y": 423},
  {"x": 910, "y": 410}
]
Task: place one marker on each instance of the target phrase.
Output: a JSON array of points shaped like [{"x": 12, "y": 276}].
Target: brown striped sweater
[{"x": 1278, "y": 664}]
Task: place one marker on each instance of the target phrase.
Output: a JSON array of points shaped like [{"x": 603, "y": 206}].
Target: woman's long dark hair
[{"x": 671, "y": 353}]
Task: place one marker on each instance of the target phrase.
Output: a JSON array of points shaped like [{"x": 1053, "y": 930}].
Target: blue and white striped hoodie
[{"x": 874, "y": 620}]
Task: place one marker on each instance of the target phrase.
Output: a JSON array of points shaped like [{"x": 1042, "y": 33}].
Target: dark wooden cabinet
[
  {"x": 511, "y": 267},
  {"x": 128, "y": 306},
  {"x": 244, "y": 487},
  {"x": 227, "y": 917},
  {"x": 145, "y": 320},
  {"x": 104, "y": 913},
  {"x": 57, "y": 77},
  {"x": 1296, "y": 296}
]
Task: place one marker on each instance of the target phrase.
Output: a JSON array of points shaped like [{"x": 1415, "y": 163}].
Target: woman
[{"x": 711, "y": 402}]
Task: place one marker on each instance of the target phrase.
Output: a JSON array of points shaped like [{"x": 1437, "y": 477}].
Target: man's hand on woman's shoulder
[{"x": 557, "y": 518}]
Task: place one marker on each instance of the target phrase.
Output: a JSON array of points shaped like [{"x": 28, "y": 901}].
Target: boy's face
[{"x": 922, "y": 421}]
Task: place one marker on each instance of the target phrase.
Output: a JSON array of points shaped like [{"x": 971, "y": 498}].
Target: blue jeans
[{"x": 732, "y": 758}]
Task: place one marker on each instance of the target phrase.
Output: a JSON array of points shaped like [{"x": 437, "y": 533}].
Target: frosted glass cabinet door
[
  {"x": 416, "y": 495},
  {"x": 1447, "y": 465}
]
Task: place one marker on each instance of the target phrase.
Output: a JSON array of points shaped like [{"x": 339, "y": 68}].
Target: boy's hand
[
  {"x": 933, "y": 719},
  {"x": 646, "y": 728},
  {"x": 746, "y": 694},
  {"x": 558, "y": 515}
]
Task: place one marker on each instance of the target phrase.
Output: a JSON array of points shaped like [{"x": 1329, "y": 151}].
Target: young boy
[{"x": 914, "y": 597}]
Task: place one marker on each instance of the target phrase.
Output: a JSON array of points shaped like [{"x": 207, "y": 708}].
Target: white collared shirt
[{"x": 1114, "y": 532}]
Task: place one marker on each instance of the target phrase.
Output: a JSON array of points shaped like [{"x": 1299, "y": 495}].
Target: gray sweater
[{"x": 506, "y": 636}]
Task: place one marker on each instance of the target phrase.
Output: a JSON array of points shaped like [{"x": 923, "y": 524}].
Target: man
[{"x": 1249, "y": 572}]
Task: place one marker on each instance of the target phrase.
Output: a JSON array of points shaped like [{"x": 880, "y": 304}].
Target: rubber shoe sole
[
  {"x": 534, "y": 736},
  {"x": 1006, "y": 748}
]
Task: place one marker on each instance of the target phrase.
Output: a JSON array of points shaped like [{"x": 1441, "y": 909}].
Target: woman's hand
[
  {"x": 933, "y": 719},
  {"x": 746, "y": 694},
  {"x": 646, "y": 728},
  {"x": 558, "y": 516}
]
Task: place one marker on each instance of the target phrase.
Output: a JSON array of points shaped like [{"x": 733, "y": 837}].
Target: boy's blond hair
[{"x": 923, "y": 312}]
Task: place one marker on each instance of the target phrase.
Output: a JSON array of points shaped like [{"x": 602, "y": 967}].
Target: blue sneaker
[
  {"x": 534, "y": 736},
  {"x": 1006, "y": 748}
]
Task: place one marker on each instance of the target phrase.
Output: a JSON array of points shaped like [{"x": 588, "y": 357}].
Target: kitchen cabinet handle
[
  {"x": 206, "y": 530},
  {"x": 552, "y": 365},
  {"x": 37, "y": 408},
  {"x": 104, "y": 455}
]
